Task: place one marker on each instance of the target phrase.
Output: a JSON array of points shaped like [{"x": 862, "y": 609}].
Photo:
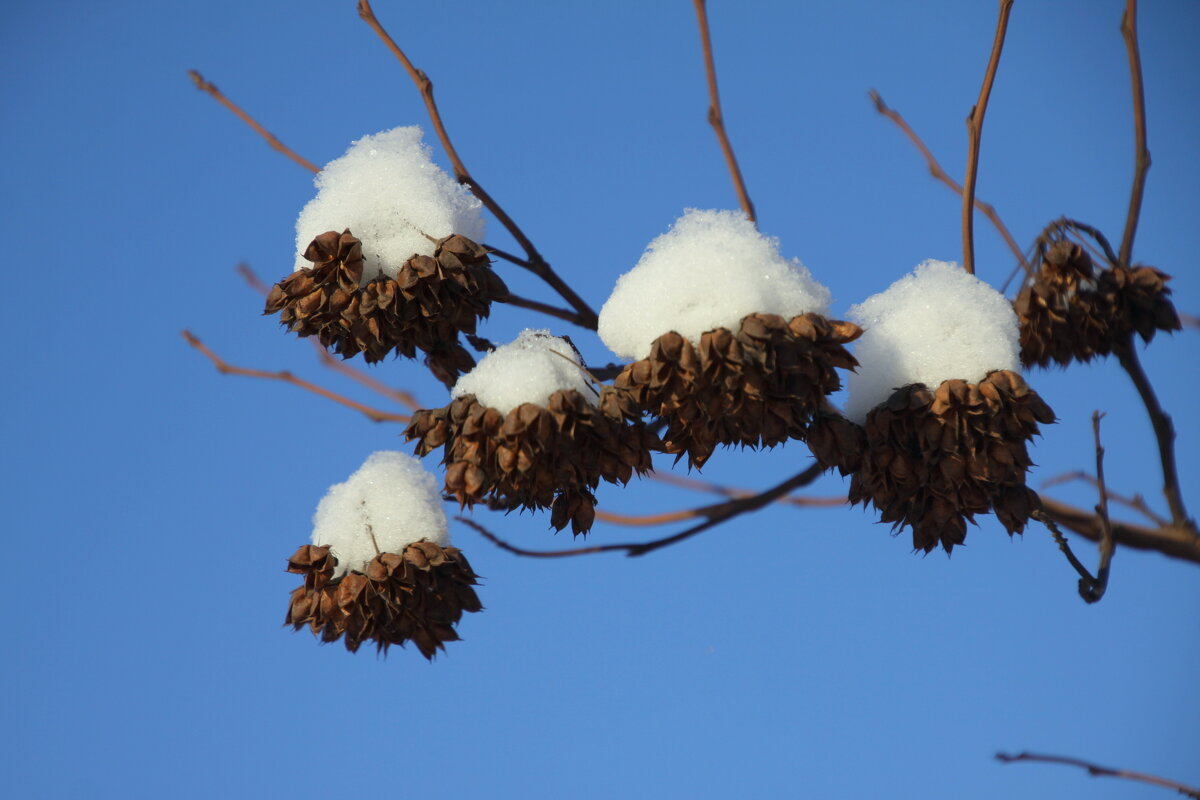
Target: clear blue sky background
[{"x": 152, "y": 503}]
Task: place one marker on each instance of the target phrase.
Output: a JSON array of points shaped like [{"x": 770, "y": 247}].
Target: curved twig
[
  {"x": 716, "y": 118},
  {"x": 211, "y": 88},
  {"x": 714, "y": 515},
  {"x": 935, "y": 169},
  {"x": 536, "y": 263},
  {"x": 374, "y": 414},
  {"x": 974, "y": 134},
  {"x": 1095, "y": 770},
  {"x": 1141, "y": 157}
]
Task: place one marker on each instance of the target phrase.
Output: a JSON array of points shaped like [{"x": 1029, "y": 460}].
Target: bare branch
[
  {"x": 729, "y": 491},
  {"x": 536, "y": 263},
  {"x": 1164, "y": 432},
  {"x": 1086, "y": 581},
  {"x": 545, "y": 308},
  {"x": 1097, "y": 771},
  {"x": 974, "y": 133},
  {"x": 206, "y": 86},
  {"x": 1137, "y": 502},
  {"x": 1141, "y": 157},
  {"x": 1106, "y": 535},
  {"x": 716, "y": 118},
  {"x": 714, "y": 515},
  {"x": 935, "y": 169},
  {"x": 374, "y": 414},
  {"x": 1170, "y": 540}
]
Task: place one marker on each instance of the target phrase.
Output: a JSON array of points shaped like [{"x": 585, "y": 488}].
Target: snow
[
  {"x": 709, "y": 271},
  {"x": 936, "y": 324},
  {"x": 389, "y": 193},
  {"x": 391, "y": 498},
  {"x": 527, "y": 370}
]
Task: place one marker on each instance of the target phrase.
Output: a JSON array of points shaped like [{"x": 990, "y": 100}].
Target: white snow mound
[
  {"x": 389, "y": 193},
  {"x": 527, "y": 370},
  {"x": 709, "y": 271},
  {"x": 936, "y": 324},
  {"x": 389, "y": 503}
]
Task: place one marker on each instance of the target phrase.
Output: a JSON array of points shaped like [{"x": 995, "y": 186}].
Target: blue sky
[{"x": 792, "y": 653}]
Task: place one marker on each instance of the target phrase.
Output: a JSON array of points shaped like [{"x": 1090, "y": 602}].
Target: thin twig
[
  {"x": 1106, "y": 535},
  {"x": 211, "y": 88},
  {"x": 374, "y": 414},
  {"x": 545, "y": 308},
  {"x": 1164, "y": 431},
  {"x": 1189, "y": 320},
  {"x": 935, "y": 169},
  {"x": 974, "y": 134},
  {"x": 1097, "y": 771},
  {"x": 1141, "y": 158},
  {"x": 716, "y": 118},
  {"x": 1086, "y": 581},
  {"x": 714, "y": 515},
  {"x": 537, "y": 264},
  {"x": 1137, "y": 502},
  {"x": 496, "y": 251},
  {"x": 730, "y": 491}
]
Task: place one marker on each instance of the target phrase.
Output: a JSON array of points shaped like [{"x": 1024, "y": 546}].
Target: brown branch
[
  {"x": 729, "y": 491},
  {"x": 1141, "y": 160},
  {"x": 1097, "y": 771},
  {"x": 545, "y": 308},
  {"x": 537, "y": 264},
  {"x": 715, "y": 117},
  {"x": 974, "y": 134},
  {"x": 714, "y": 515},
  {"x": 224, "y": 368},
  {"x": 211, "y": 88},
  {"x": 1170, "y": 540},
  {"x": 1087, "y": 583},
  {"x": 1164, "y": 432},
  {"x": 1100, "y": 585},
  {"x": 935, "y": 169},
  {"x": 1137, "y": 502}
]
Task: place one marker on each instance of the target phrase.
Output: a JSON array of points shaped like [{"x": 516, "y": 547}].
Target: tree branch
[
  {"x": 935, "y": 169},
  {"x": 1096, "y": 771},
  {"x": 1164, "y": 432},
  {"x": 714, "y": 515},
  {"x": 974, "y": 134},
  {"x": 374, "y": 414},
  {"x": 212, "y": 89},
  {"x": 1100, "y": 585},
  {"x": 1137, "y": 502},
  {"x": 1141, "y": 157},
  {"x": 537, "y": 264},
  {"x": 1170, "y": 540},
  {"x": 716, "y": 118}
]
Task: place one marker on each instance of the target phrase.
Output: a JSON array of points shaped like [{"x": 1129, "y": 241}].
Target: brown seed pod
[
  {"x": 934, "y": 459},
  {"x": 757, "y": 387},
  {"x": 535, "y": 456},
  {"x": 418, "y": 595},
  {"x": 1070, "y": 312},
  {"x": 430, "y": 301}
]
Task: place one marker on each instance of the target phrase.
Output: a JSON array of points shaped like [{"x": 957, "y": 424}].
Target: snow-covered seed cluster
[
  {"x": 757, "y": 386},
  {"x": 935, "y": 459},
  {"x": 732, "y": 343},
  {"x": 945, "y": 416},
  {"x": 386, "y": 284},
  {"x": 380, "y": 567},
  {"x": 1068, "y": 312},
  {"x": 534, "y": 436}
]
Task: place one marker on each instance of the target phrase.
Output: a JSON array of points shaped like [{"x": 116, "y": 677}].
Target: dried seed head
[
  {"x": 418, "y": 595},
  {"x": 534, "y": 456},
  {"x": 757, "y": 387},
  {"x": 1070, "y": 312},
  {"x": 934, "y": 459},
  {"x": 430, "y": 301}
]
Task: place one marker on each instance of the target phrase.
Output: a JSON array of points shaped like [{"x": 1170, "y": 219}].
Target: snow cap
[
  {"x": 389, "y": 503},
  {"x": 527, "y": 370},
  {"x": 390, "y": 194},
  {"x": 936, "y": 324},
  {"x": 709, "y": 271}
]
